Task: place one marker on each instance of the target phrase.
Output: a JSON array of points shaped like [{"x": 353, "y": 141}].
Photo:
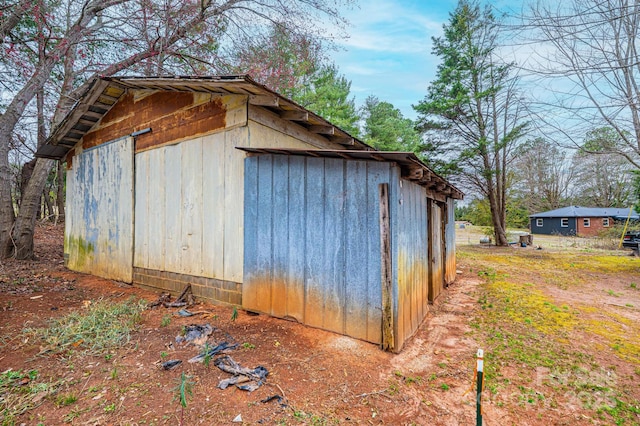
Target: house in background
[
  {"x": 578, "y": 221},
  {"x": 254, "y": 201}
]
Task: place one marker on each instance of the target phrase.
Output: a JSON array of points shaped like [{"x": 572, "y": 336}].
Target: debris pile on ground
[
  {"x": 195, "y": 334},
  {"x": 244, "y": 378},
  {"x": 184, "y": 299}
]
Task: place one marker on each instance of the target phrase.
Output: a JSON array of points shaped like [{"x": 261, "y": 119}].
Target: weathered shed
[
  {"x": 314, "y": 239},
  {"x": 225, "y": 185}
]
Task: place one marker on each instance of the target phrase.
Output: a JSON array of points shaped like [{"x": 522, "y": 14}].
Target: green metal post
[{"x": 479, "y": 369}]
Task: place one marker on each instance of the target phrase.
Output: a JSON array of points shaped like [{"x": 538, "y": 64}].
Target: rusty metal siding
[
  {"x": 99, "y": 224},
  {"x": 312, "y": 244},
  {"x": 436, "y": 249},
  {"x": 410, "y": 257},
  {"x": 450, "y": 242}
]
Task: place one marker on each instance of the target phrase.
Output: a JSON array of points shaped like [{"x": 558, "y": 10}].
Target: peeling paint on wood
[
  {"x": 99, "y": 221},
  {"x": 172, "y": 116}
]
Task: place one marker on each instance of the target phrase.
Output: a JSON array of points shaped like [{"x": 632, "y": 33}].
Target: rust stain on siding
[
  {"x": 166, "y": 113},
  {"x": 69, "y": 158}
]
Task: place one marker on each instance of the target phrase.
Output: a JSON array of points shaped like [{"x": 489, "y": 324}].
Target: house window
[
  {"x": 586, "y": 222},
  {"x": 605, "y": 222},
  {"x": 564, "y": 222},
  {"x": 539, "y": 222}
]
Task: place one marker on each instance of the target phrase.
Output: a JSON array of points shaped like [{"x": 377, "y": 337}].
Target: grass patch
[
  {"x": 529, "y": 338},
  {"x": 102, "y": 326},
  {"x": 21, "y": 391}
]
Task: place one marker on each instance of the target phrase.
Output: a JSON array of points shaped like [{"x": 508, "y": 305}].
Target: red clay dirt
[{"x": 323, "y": 378}]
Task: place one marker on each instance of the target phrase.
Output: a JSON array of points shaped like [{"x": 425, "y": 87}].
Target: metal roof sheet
[
  {"x": 577, "y": 211},
  {"x": 411, "y": 167}
]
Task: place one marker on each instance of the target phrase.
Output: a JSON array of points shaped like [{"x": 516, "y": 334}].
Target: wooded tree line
[{"x": 478, "y": 124}]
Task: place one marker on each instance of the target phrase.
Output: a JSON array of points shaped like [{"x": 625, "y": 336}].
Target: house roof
[
  {"x": 411, "y": 167},
  {"x": 104, "y": 92},
  {"x": 577, "y": 211}
]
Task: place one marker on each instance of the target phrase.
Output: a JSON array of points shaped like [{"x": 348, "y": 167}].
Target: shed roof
[
  {"x": 577, "y": 211},
  {"x": 104, "y": 92},
  {"x": 411, "y": 167}
]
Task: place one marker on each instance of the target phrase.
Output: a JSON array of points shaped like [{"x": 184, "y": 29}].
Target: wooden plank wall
[
  {"x": 99, "y": 216},
  {"x": 410, "y": 233},
  {"x": 450, "y": 242},
  {"x": 312, "y": 244},
  {"x": 190, "y": 202}
]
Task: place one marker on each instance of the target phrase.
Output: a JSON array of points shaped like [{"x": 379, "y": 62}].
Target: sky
[{"x": 388, "y": 53}]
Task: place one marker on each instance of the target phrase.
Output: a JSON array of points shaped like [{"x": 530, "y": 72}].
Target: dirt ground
[{"x": 321, "y": 377}]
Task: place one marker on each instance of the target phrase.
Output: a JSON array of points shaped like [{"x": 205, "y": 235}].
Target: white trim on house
[{"x": 564, "y": 222}]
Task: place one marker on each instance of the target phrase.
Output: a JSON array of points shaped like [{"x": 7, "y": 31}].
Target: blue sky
[{"x": 388, "y": 53}]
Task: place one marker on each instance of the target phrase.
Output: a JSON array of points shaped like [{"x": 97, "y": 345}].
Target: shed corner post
[{"x": 388, "y": 341}]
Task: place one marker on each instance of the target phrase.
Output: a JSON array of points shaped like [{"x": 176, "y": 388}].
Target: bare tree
[
  {"x": 603, "y": 179},
  {"x": 106, "y": 37},
  {"x": 543, "y": 175},
  {"x": 587, "y": 52}
]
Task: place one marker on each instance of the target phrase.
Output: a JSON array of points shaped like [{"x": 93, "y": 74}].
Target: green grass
[
  {"x": 102, "y": 326},
  {"x": 21, "y": 391},
  {"x": 529, "y": 338}
]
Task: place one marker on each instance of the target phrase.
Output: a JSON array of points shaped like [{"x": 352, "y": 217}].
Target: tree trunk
[
  {"x": 60, "y": 191},
  {"x": 7, "y": 214},
  {"x": 48, "y": 215},
  {"x": 26, "y": 220}
]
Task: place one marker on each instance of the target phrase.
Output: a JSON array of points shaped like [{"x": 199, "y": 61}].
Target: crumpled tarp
[
  {"x": 196, "y": 334},
  {"x": 213, "y": 351},
  {"x": 244, "y": 378}
]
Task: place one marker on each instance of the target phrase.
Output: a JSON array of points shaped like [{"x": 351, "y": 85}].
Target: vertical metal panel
[
  {"x": 310, "y": 253},
  {"x": 376, "y": 173},
  {"x": 100, "y": 236},
  {"x": 410, "y": 231},
  {"x": 450, "y": 242},
  {"x": 280, "y": 245},
  {"x": 356, "y": 251},
  {"x": 296, "y": 227},
  {"x": 314, "y": 243},
  {"x": 436, "y": 243}
]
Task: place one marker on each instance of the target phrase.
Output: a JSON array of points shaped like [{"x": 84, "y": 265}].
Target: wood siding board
[
  {"x": 155, "y": 217},
  {"x": 191, "y": 169},
  {"x": 233, "y": 206},
  {"x": 173, "y": 207},
  {"x": 280, "y": 240},
  {"x": 334, "y": 245},
  {"x": 315, "y": 240},
  {"x": 357, "y": 255},
  {"x": 213, "y": 176},
  {"x": 296, "y": 244},
  {"x": 102, "y": 214},
  {"x": 140, "y": 256}
]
